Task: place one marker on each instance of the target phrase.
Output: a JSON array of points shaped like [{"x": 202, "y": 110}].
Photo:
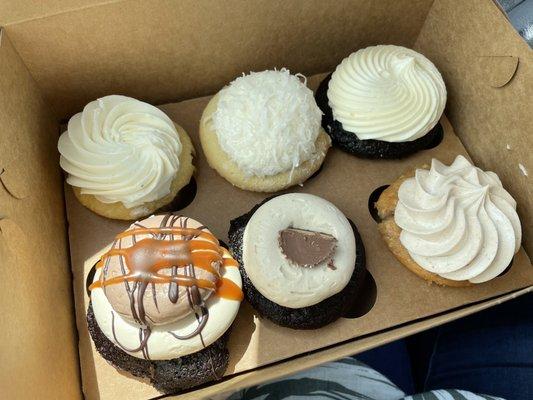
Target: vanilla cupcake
[
  {"x": 453, "y": 225},
  {"x": 383, "y": 102},
  {"x": 163, "y": 299},
  {"x": 125, "y": 158},
  {"x": 262, "y": 132},
  {"x": 302, "y": 261}
]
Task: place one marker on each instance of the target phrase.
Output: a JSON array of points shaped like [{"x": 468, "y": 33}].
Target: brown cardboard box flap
[
  {"x": 499, "y": 69},
  {"x": 161, "y": 51},
  {"x": 37, "y": 340},
  {"x": 9, "y": 180},
  {"x": 13, "y": 12}
]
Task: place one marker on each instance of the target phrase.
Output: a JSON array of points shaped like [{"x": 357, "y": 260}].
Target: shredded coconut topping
[{"x": 267, "y": 122}]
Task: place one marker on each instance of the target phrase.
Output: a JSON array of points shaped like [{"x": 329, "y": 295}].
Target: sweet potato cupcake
[
  {"x": 163, "y": 299},
  {"x": 262, "y": 132},
  {"x": 383, "y": 102},
  {"x": 302, "y": 261},
  {"x": 125, "y": 158},
  {"x": 452, "y": 225}
]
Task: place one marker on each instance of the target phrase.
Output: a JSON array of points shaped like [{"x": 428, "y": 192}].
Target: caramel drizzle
[{"x": 140, "y": 265}]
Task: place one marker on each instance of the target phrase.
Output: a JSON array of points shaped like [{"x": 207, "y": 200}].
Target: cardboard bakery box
[{"x": 56, "y": 56}]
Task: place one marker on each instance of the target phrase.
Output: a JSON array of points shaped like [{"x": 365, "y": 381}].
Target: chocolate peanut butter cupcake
[
  {"x": 163, "y": 299},
  {"x": 383, "y": 102},
  {"x": 302, "y": 261}
]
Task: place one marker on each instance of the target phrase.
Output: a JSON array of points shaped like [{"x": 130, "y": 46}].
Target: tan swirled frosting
[
  {"x": 120, "y": 149},
  {"x": 387, "y": 93},
  {"x": 458, "y": 221}
]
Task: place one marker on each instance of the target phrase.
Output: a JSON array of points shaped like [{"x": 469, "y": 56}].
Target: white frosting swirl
[
  {"x": 120, "y": 149},
  {"x": 387, "y": 93},
  {"x": 267, "y": 122},
  {"x": 282, "y": 281},
  {"x": 458, "y": 221}
]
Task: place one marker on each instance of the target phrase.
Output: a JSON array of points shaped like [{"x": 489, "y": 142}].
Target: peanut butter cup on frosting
[
  {"x": 453, "y": 225},
  {"x": 162, "y": 301},
  {"x": 125, "y": 158},
  {"x": 262, "y": 132},
  {"x": 302, "y": 261},
  {"x": 383, "y": 102}
]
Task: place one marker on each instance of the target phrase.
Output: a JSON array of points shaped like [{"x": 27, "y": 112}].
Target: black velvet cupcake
[
  {"x": 308, "y": 316},
  {"x": 388, "y": 102}
]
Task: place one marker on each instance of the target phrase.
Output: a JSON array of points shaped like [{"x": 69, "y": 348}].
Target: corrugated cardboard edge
[
  {"x": 38, "y": 336},
  {"x": 19, "y": 11},
  {"x": 301, "y": 363}
]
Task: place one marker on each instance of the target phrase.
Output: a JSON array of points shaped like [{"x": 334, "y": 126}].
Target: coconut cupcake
[
  {"x": 383, "y": 102},
  {"x": 125, "y": 158},
  {"x": 163, "y": 299},
  {"x": 302, "y": 261},
  {"x": 262, "y": 132},
  {"x": 453, "y": 225}
]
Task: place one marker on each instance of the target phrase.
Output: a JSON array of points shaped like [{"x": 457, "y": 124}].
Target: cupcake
[
  {"x": 302, "y": 261},
  {"x": 383, "y": 102},
  {"x": 262, "y": 132},
  {"x": 453, "y": 225},
  {"x": 162, "y": 301},
  {"x": 124, "y": 158}
]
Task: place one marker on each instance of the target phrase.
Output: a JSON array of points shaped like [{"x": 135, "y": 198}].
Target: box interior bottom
[{"x": 400, "y": 296}]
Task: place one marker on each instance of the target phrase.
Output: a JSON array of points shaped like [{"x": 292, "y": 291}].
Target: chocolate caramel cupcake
[
  {"x": 163, "y": 299},
  {"x": 302, "y": 261},
  {"x": 383, "y": 102}
]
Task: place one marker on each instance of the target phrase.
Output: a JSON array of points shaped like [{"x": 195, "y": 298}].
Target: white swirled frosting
[
  {"x": 458, "y": 221},
  {"x": 120, "y": 149},
  {"x": 267, "y": 122},
  {"x": 387, "y": 93}
]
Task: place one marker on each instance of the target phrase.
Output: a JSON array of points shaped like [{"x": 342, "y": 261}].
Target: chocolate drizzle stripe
[
  {"x": 184, "y": 280},
  {"x": 202, "y": 261},
  {"x": 173, "y": 288},
  {"x": 144, "y": 337},
  {"x": 168, "y": 230}
]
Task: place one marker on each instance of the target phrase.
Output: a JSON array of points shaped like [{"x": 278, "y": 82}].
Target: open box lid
[{"x": 68, "y": 53}]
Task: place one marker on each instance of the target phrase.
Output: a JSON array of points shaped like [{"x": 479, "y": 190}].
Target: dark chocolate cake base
[
  {"x": 311, "y": 317},
  {"x": 350, "y": 143},
  {"x": 167, "y": 376}
]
